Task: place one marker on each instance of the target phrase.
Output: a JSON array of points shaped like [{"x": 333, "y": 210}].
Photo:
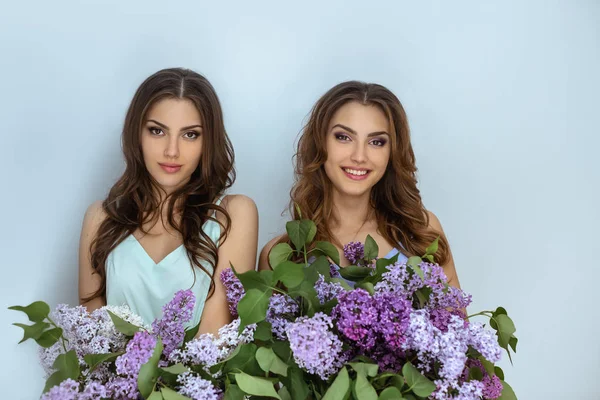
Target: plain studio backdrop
[{"x": 502, "y": 98}]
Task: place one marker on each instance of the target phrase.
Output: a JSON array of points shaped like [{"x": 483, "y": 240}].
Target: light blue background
[{"x": 502, "y": 98}]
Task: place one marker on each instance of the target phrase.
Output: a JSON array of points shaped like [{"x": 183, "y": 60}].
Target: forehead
[
  {"x": 361, "y": 118},
  {"x": 171, "y": 111}
]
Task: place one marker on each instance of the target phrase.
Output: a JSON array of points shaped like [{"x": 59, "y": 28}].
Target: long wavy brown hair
[
  {"x": 395, "y": 199},
  {"x": 134, "y": 199}
]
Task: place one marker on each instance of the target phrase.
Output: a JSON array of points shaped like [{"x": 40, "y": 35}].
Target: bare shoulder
[
  {"x": 94, "y": 216},
  {"x": 263, "y": 259},
  {"x": 434, "y": 221},
  {"x": 239, "y": 204}
]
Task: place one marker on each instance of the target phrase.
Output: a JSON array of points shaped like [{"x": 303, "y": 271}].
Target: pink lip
[
  {"x": 170, "y": 168},
  {"x": 357, "y": 177}
]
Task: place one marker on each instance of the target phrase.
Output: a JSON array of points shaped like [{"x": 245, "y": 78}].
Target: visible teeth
[{"x": 355, "y": 172}]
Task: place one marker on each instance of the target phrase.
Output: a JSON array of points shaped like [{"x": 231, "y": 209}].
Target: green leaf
[
  {"x": 507, "y": 392},
  {"x": 149, "y": 372},
  {"x": 32, "y": 331},
  {"x": 284, "y": 393},
  {"x": 283, "y": 351},
  {"x": 252, "y": 308},
  {"x": 67, "y": 366},
  {"x": 371, "y": 249},
  {"x": 176, "y": 369},
  {"x": 489, "y": 366},
  {"x": 298, "y": 232},
  {"x": 419, "y": 384},
  {"x": 320, "y": 266},
  {"x": 255, "y": 385},
  {"x": 244, "y": 361},
  {"x": 432, "y": 248},
  {"x": 311, "y": 230},
  {"x": 390, "y": 393},
  {"x": 365, "y": 368},
  {"x": 339, "y": 387},
  {"x": 49, "y": 337},
  {"x": 296, "y": 384},
  {"x": 191, "y": 333},
  {"x": 328, "y": 250},
  {"x": 36, "y": 311},
  {"x": 414, "y": 262},
  {"x": 170, "y": 394},
  {"x": 355, "y": 273},
  {"x": 499, "y": 373},
  {"x": 254, "y": 280},
  {"x": 513, "y": 343},
  {"x": 368, "y": 286},
  {"x": 123, "y": 326},
  {"x": 279, "y": 253},
  {"x": 263, "y": 331},
  {"x": 506, "y": 328},
  {"x": 156, "y": 396},
  {"x": 308, "y": 292},
  {"x": 233, "y": 392},
  {"x": 475, "y": 373},
  {"x": 269, "y": 362},
  {"x": 289, "y": 273},
  {"x": 93, "y": 360},
  {"x": 363, "y": 389}
]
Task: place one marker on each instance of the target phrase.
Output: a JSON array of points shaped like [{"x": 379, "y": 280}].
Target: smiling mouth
[{"x": 356, "y": 174}]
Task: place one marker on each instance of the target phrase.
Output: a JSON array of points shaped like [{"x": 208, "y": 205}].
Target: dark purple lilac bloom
[
  {"x": 354, "y": 252},
  {"x": 393, "y": 320},
  {"x": 492, "y": 386},
  {"x": 235, "y": 290},
  {"x": 176, "y": 313},
  {"x": 356, "y": 315}
]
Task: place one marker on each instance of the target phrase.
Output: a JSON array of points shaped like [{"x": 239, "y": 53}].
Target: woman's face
[
  {"x": 171, "y": 140},
  {"x": 358, "y": 148}
]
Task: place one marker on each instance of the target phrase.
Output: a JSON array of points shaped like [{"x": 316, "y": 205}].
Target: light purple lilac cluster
[
  {"x": 314, "y": 346},
  {"x": 282, "y": 309},
  {"x": 354, "y": 252},
  {"x": 235, "y": 290},
  {"x": 176, "y": 314},
  {"x": 196, "y": 388}
]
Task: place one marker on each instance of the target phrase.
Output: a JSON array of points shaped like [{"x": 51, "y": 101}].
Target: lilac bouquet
[
  {"x": 110, "y": 354},
  {"x": 378, "y": 329}
]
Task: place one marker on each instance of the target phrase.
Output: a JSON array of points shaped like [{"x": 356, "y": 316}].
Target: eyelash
[
  {"x": 345, "y": 138},
  {"x": 158, "y": 131}
]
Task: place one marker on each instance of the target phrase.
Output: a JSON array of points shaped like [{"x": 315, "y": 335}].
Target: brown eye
[
  {"x": 342, "y": 136},
  {"x": 155, "y": 131},
  {"x": 191, "y": 135}
]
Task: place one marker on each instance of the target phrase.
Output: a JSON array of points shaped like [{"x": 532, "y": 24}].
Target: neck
[{"x": 350, "y": 212}]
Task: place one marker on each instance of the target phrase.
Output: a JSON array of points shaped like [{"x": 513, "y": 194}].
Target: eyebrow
[
  {"x": 354, "y": 132},
  {"x": 166, "y": 127}
]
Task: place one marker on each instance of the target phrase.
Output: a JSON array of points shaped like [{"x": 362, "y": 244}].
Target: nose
[
  {"x": 359, "y": 153},
  {"x": 172, "y": 149}
]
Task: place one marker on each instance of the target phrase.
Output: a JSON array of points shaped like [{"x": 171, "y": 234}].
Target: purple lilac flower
[
  {"x": 235, "y": 290},
  {"x": 200, "y": 351},
  {"x": 334, "y": 271},
  {"x": 354, "y": 252},
  {"x": 139, "y": 350},
  {"x": 196, "y": 388},
  {"x": 440, "y": 318},
  {"x": 393, "y": 320},
  {"x": 281, "y": 308},
  {"x": 484, "y": 341},
  {"x": 315, "y": 347},
  {"x": 67, "y": 390},
  {"x": 327, "y": 291},
  {"x": 492, "y": 386},
  {"x": 92, "y": 391},
  {"x": 170, "y": 328},
  {"x": 120, "y": 388},
  {"x": 356, "y": 315}
]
